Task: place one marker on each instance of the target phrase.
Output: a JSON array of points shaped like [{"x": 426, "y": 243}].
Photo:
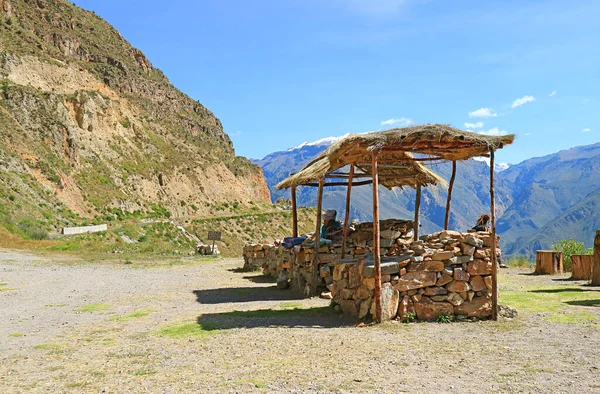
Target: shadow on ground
[
  {"x": 595, "y": 303},
  {"x": 259, "y": 278},
  {"x": 243, "y": 294},
  {"x": 561, "y": 290},
  {"x": 316, "y": 317}
]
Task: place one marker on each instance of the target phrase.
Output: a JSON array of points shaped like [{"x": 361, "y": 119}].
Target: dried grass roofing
[{"x": 396, "y": 165}]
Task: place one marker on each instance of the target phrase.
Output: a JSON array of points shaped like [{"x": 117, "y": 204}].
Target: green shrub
[
  {"x": 445, "y": 318},
  {"x": 410, "y": 317},
  {"x": 569, "y": 247}
]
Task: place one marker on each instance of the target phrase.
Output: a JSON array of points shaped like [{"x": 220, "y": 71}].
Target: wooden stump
[
  {"x": 596, "y": 265},
  {"x": 581, "y": 266},
  {"x": 548, "y": 262}
]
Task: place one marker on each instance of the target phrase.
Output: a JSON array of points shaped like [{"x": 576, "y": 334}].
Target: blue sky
[{"x": 278, "y": 73}]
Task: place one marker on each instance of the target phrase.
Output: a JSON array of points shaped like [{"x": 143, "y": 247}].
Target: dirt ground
[{"x": 200, "y": 325}]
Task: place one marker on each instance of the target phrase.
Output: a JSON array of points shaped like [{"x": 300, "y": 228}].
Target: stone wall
[{"x": 446, "y": 273}]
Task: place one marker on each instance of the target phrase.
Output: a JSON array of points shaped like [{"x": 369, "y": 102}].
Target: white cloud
[
  {"x": 483, "y": 113},
  {"x": 523, "y": 100},
  {"x": 586, "y": 130},
  {"x": 552, "y": 94},
  {"x": 476, "y": 125},
  {"x": 402, "y": 122},
  {"x": 494, "y": 131},
  {"x": 527, "y": 134}
]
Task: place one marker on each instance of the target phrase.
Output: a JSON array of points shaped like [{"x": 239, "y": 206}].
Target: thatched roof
[{"x": 396, "y": 165}]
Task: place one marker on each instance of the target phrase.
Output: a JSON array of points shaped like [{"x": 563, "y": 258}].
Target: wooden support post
[
  {"x": 581, "y": 266},
  {"x": 294, "y": 213},
  {"x": 417, "y": 209},
  {"x": 450, "y": 187},
  {"x": 347, "y": 215},
  {"x": 315, "y": 268},
  {"x": 596, "y": 267},
  {"x": 376, "y": 249},
  {"x": 548, "y": 262},
  {"x": 493, "y": 254}
]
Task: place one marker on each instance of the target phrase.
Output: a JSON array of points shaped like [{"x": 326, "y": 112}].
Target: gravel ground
[{"x": 47, "y": 345}]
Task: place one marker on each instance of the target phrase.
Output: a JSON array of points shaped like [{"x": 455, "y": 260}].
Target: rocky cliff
[{"x": 89, "y": 128}]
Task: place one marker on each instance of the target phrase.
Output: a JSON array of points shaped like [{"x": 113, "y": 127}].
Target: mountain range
[{"x": 539, "y": 201}]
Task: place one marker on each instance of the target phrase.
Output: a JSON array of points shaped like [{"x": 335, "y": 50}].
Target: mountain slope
[{"x": 90, "y": 128}]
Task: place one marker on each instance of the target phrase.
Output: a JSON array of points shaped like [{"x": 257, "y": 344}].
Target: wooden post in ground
[
  {"x": 450, "y": 187},
  {"x": 548, "y": 262},
  {"x": 315, "y": 268},
  {"x": 493, "y": 254},
  {"x": 417, "y": 209},
  {"x": 376, "y": 249},
  {"x": 596, "y": 267},
  {"x": 347, "y": 215},
  {"x": 294, "y": 213},
  {"x": 581, "y": 266}
]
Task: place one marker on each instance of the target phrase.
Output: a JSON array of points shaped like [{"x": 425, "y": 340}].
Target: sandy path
[{"x": 314, "y": 351}]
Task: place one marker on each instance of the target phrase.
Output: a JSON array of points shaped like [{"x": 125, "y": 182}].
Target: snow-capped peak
[
  {"x": 322, "y": 142},
  {"x": 498, "y": 167}
]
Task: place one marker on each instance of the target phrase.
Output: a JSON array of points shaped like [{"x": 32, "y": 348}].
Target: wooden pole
[
  {"x": 450, "y": 187},
  {"x": 417, "y": 209},
  {"x": 596, "y": 265},
  {"x": 315, "y": 270},
  {"x": 376, "y": 250},
  {"x": 294, "y": 213},
  {"x": 347, "y": 215},
  {"x": 493, "y": 254}
]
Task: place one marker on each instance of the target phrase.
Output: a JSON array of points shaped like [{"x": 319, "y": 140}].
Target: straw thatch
[{"x": 397, "y": 166}]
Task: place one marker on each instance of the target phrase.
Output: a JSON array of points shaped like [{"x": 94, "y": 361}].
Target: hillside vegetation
[{"x": 90, "y": 131}]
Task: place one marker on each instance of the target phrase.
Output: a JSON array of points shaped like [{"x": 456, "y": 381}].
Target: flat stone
[
  {"x": 434, "y": 290},
  {"x": 434, "y": 266},
  {"x": 467, "y": 250},
  {"x": 458, "y": 285},
  {"x": 387, "y": 268},
  {"x": 479, "y": 267},
  {"x": 439, "y": 298},
  {"x": 442, "y": 255},
  {"x": 390, "y": 298},
  {"x": 416, "y": 259},
  {"x": 415, "y": 266},
  {"x": 473, "y": 241},
  {"x": 480, "y": 307},
  {"x": 477, "y": 283},
  {"x": 450, "y": 234},
  {"x": 416, "y": 280},
  {"x": 444, "y": 280},
  {"x": 430, "y": 311},
  {"x": 460, "y": 274},
  {"x": 326, "y": 295},
  {"x": 459, "y": 260}
]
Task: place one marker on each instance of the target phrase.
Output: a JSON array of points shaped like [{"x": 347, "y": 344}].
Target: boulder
[
  {"x": 457, "y": 286},
  {"x": 473, "y": 241},
  {"x": 480, "y": 307},
  {"x": 349, "y": 307},
  {"x": 390, "y": 298},
  {"x": 479, "y": 267},
  {"x": 477, "y": 283},
  {"x": 364, "y": 308},
  {"x": 416, "y": 280},
  {"x": 430, "y": 311}
]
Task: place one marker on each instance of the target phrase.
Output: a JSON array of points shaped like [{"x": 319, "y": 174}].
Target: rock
[
  {"x": 282, "y": 283},
  {"x": 402, "y": 271},
  {"x": 455, "y": 299},
  {"x": 364, "y": 308},
  {"x": 362, "y": 293},
  {"x": 439, "y": 298},
  {"x": 370, "y": 283},
  {"x": 387, "y": 268},
  {"x": 416, "y": 280},
  {"x": 507, "y": 311},
  {"x": 473, "y": 241},
  {"x": 450, "y": 234},
  {"x": 346, "y": 294},
  {"x": 481, "y": 253},
  {"x": 327, "y": 295},
  {"x": 354, "y": 277},
  {"x": 480, "y": 307},
  {"x": 415, "y": 266},
  {"x": 479, "y": 267},
  {"x": 433, "y": 291},
  {"x": 434, "y": 266},
  {"x": 458, "y": 285},
  {"x": 416, "y": 297},
  {"x": 467, "y": 250},
  {"x": 444, "y": 280},
  {"x": 390, "y": 298},
  {"x": 460, "y": 274},
  {"x": 488, "y": 282},
  {"x": 324, "y": 271},
  {"x": 405, "y": 307},
  {"x": 459, "y": 260},
  {"x": 386, "y": 278},
  {"x": 338, "y": 271},
  {"x": 442, "y": 255},
  {"x": 349, "y": 308},
  {"x": 430, "y": 311},
  {"x": 470, "y": 296},
  {"x": 477, "y": 283}
]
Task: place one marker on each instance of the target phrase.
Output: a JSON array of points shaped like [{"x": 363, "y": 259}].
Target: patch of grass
[
  {"x": 64, "y": 247},
  {"x": 520, "y": 262},
  {"x": 290, "y": 304},
  {"x": 144, "y": 372},
  {"x": 16, "y": 335},
  {"x": 48, "y": 346},
  {"x": 2, "y": 288},
  {"x": 132, "y": 315},
  {"x": 259, "y": 384},
  {"x": 572, "y": 318},
  {"x": 93, "y": 308},
  {"x": 54, "y": 305},
  {"x": 188, "y": 330},
  {"x": 410, "y": 317}
]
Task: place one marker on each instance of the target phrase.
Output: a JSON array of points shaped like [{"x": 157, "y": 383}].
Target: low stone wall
[
  {"x": 446, "y": 273},
  {"x": 84, "y": 229}
]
